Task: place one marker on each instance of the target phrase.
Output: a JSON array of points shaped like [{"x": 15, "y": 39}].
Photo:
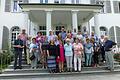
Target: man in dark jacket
[
  {"x": 108, "y": 46},
  {"x": 18, "y": 48}
]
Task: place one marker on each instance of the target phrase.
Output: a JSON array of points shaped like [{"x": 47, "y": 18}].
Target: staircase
[{"x": 26, "y": 72}]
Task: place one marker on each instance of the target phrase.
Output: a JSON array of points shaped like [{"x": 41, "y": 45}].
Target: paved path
[{"x": 82, "y": 77}]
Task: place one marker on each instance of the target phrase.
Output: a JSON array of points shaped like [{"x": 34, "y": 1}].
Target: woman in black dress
[{"x": 52, "y": 54}]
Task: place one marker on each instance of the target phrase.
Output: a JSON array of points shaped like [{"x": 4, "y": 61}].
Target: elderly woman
[
  {"x": 33, "y": 52},
  {"x": 78, "y": 51},
  {"x": 68, "y": 54},
  {"x": 96, "y": 51},
  {"x": 88, "y": 49}
]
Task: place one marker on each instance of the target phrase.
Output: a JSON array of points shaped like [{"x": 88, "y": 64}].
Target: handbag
[{"x": 32, "y": 57}]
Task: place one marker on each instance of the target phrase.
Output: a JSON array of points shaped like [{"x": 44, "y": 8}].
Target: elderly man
[
  {"x": 108, "y": 53},
  {"x": 63, "y": 34},
  {"x": 18, "y": 47},
  {"x": 24, "y": 38}
]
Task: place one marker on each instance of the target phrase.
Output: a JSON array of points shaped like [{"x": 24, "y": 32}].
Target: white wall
[
  {"x": 13, "y": 19},
  {"x": 85, "y": 1},
  {"x": 34, "y": 1},
  {"x": 10, "y": 20},
  {"x": 109, "y": 20}
]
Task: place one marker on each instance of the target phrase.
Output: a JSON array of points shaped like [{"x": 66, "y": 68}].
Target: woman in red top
[{"x": 61, "y": 58}]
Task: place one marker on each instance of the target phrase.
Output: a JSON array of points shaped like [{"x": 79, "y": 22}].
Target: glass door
[{"x": 58, "y": 29}]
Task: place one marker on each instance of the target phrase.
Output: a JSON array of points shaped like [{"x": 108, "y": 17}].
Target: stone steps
[
  {"x": 28, "y": 75},
  {"x": 26, "y": 66},
  {"x": 27, "y": 69},
  {"x": 27, "y": 72}
]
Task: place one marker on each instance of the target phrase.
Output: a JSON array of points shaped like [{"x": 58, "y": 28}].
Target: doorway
[{"x": 58, "y": 29}]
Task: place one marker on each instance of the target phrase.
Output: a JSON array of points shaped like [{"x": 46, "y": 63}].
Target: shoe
[
  {"x": 20, "y": 67},
  {"x": 111, "y": 70},
  {"x": 15, "y": 68},
  {"x": 62, "y": 71},
  {"x": 79, "y": 70}
]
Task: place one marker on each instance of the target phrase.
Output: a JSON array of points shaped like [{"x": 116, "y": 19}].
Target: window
[
  {"x": 118, "y": 34},
  {"x": 93, "y": 28},
  {"x": 62, "y": 1},
  {"x": 111, "y": 33},
  {"x": 14, "y": 33},
  {"x": 7, "y": 6},
  {"x": 56, "y": 1},
  {"x": 108, "y": 6},
  {"x": 72, "y": 1},
  {"x": 41, "y": 1},
  {"x": 75, "y": 1},
  {"x": 92, "y": 1},
  {"x": 16, "y": 7},
  {"x": 116, "y": 5},
  {"x": 103, "y": 31},
  {"x": 42, "y": 29},
  {"x": 46, "y": 1}
]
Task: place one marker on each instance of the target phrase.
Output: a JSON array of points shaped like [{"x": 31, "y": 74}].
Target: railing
[{"x": 5, "y": 59}]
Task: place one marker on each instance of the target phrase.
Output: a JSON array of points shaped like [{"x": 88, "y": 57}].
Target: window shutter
[
  {"x": 7, "y": 5},
  {"x": 116, "y": 6},
  {"x": 25, "y": 1},
  {"x": 108, "y": 6}
]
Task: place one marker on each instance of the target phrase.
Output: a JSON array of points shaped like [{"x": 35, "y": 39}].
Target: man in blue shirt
[
  {"x": 18, "y": 47},
  {"x": 108, "y": 53},
  {"x": 63, "y": 34}
]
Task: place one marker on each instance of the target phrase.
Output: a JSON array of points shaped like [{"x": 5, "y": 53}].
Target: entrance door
[{"x": 58, "y": 29}]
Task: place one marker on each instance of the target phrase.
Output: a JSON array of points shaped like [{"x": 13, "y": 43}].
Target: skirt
[{"x": 51, "y": 62}]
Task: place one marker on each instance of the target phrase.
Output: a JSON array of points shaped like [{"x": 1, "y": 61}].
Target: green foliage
[
  {"x": 117, "y": 57},
  {"x": 5, "y": 59}
]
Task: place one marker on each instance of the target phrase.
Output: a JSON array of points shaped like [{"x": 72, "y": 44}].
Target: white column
[
  {"x": 74, "y": 20},
  {"x": 90, "y": 27},
  {"x": 115, "y": 34},
  {"x": 112, "y": 7},
  {"x": 2, "y": 6},
  {"x": 26, "y": 22},
  {"x": 48, "y": 21},
  {"x": 96, "y": 24}
]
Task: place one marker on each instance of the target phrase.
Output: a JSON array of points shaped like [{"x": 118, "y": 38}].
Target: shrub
[{"x": 117, "y": 57}]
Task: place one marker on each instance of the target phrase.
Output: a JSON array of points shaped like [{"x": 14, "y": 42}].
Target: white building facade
[{"x": 45, "y": 15}]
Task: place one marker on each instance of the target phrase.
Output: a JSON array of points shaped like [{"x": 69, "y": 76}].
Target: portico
[{"x": 55, "y": 16}]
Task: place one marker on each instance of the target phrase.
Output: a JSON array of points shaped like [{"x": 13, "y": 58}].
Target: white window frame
[{"x": 14, "y": 33}]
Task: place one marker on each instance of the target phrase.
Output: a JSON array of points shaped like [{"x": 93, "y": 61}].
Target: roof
[{"x": 56, "y": 5}]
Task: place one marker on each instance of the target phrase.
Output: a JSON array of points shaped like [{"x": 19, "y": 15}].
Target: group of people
[{"x": 64, "y": 51}]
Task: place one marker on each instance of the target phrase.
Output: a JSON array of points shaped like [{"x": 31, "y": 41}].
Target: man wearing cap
[{"x": 108, "y": 53}]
